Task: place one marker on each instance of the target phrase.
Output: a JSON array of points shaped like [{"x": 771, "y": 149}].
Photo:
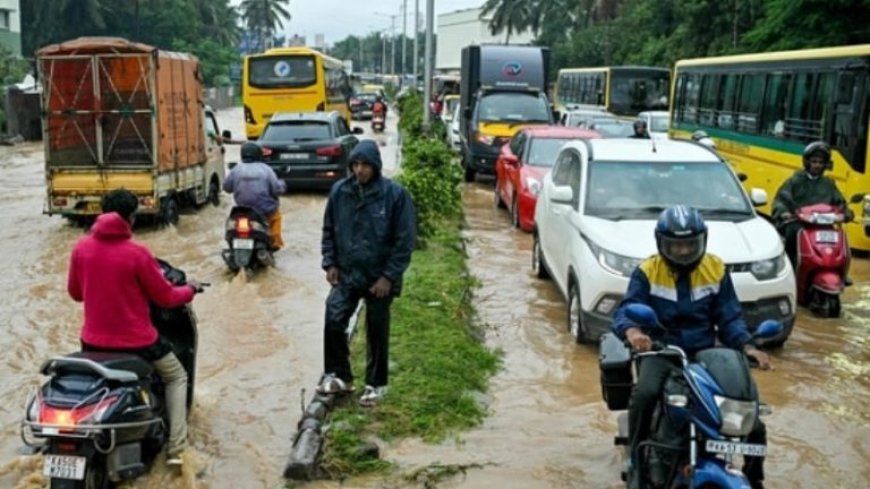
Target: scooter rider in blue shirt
[{"x": 693, "y": 296}]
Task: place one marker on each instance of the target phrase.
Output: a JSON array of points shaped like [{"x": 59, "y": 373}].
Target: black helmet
[
  {"x": 678, "y": 226},
  {"x": 640, "y": 123},
  {"x": 817, "y": 148},
  {"x": 251, "y": 152}
]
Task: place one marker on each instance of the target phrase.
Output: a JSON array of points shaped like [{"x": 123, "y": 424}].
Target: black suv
[
  {"x": 361, "y": 105},
  {"x": 308, "y": 150}
]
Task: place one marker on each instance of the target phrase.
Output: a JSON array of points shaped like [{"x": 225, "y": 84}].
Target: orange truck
[{"x": 119, "y": 114}]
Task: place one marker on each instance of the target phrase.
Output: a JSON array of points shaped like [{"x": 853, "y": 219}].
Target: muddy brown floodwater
[{"x": 260, "y": 345}]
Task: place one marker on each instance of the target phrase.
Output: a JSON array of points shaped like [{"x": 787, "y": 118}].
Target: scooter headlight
[
  {"x": 738, "y": 417},
  {"x": 768, "y": 269}
]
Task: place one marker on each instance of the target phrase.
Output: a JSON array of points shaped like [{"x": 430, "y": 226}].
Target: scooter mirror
[
  {"x": 758, "y": 197},
  {"x": 768, "y": 329},
  {"x": 642, "y": 315}
]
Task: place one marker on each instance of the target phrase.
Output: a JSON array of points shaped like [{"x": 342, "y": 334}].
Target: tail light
[
  {"x": 330, "y": 151},
  {"x": 266, "y": 151},
  {"x": 249, "y": 116},
  {"x": 243, "y": 227},
  {"x": 92, "y": 413}
]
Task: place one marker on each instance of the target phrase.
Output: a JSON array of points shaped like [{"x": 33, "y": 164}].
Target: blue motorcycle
[{"x": 708, "y": 408}]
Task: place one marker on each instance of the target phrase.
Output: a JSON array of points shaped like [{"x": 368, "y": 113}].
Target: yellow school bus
[
  {"x": 621, "y": 90},
  {"x": 763, "y": 109},
  {"x": 293, "y": 79}
]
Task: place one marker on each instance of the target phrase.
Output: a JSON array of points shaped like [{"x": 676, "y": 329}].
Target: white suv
[{"x": 596, "y": 216}]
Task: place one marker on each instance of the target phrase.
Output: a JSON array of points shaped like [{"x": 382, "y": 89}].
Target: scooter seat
[{"x": 116, "y": 361}]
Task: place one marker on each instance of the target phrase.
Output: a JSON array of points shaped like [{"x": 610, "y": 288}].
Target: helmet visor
[{"x": 683, "y": 251}]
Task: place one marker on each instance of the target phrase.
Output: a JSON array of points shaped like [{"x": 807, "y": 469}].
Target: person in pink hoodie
[{"x": 117, "y": 279}]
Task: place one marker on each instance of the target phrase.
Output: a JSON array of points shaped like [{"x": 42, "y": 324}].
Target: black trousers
[
  {"x": 652, "y": 374},
  {"x": 340, "y": 305}
]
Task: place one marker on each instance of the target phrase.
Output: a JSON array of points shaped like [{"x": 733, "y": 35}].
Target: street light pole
[
  {"x": 416, "y": 38},
  {"x": 404, "y": 36},
  {"x": 427, "y": 70}
]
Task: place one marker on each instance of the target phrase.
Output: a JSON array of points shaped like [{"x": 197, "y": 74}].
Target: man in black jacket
[{"x": 369, "y": 230}]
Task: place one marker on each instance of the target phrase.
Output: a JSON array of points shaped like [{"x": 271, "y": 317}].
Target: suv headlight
[
  {"x": 738, "y": 417},
  {"x": 612, "y": 262},
  {"x": 534, "y": 185},
  {"x": 768, "y": 269}
]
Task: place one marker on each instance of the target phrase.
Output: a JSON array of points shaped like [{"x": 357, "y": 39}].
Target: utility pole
[
  {"x": 393, "y": 45},
  {"x": 427, "y": 70},
  {"x": 416, "y": 38},
  {"x": 404, "y": 36},
  {"x": 383, "y": 52}
]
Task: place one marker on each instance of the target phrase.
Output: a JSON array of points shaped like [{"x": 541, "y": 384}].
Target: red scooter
[
  {"x": 823, "y": 258},
  {"x": 378, "y": 122}
]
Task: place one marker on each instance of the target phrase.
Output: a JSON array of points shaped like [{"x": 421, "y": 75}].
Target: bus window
[
  {"x": 707, "y": 103},
  {"x": 751, "y": 92},
  {"x": 282, "y": 71},
  {"x": 820, "y": 108},
  {"x": 773, "y": 110},
  {"x": 693, "y": 91},
  {"x": 725, "y": 109},
  {"x": 797, "y": 122}
]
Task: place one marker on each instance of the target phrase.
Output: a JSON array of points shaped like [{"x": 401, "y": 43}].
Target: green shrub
[{"x": 432, "y": 177}]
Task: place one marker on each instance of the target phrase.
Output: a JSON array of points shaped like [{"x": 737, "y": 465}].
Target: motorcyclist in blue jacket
[{"x": 693, "y": 296}]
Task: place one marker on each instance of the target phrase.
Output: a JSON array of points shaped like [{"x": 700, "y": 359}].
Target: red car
[{"x": 522, "y": 164}]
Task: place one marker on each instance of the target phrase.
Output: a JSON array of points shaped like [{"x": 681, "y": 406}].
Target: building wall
[
  {"x": 10, "y": 37},
  {"x": 463, "y": 27}
]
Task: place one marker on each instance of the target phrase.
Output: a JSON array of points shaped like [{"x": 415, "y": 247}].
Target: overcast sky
[{"x": 337, "y": 19}]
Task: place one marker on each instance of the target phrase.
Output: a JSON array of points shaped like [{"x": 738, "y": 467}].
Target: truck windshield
[{"x": 513, "y": 107}]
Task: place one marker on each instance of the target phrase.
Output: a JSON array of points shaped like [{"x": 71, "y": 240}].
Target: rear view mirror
[
  {"x": 768, "y": 329},
  {"x": 227, "y": 134},
  {"x": 758, "y": 196},
  {"x": 742, "y": 177},
  {"x": 232, "y": 164},
  {"x": 857, "y": 198},
  {"x": 562, "y": 194},
  {"x": 357, "y": 130},
  {"x": 642, "y": 315}
]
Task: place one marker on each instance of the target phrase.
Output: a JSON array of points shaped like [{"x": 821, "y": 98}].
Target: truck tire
[
  {"x": 169, "y": 212},
  {"x": 214, "y": 192}
]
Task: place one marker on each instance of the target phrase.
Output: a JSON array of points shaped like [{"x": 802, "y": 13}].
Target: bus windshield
[
  {"x": 282, "y": 71},
  {"x": 637, "y": 91}
]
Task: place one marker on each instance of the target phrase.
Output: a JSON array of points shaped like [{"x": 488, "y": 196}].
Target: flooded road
[{"x": 260, "y": 345}]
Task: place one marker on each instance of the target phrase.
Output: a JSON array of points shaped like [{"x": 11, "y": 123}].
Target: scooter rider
[
  {"x": 694, "y": 298},
  {"x": 806, "y": 187},
  {"x": 117, "y": 279},
  {"x": 640, "y": 130},
  {"x": 255, "y": 185},
  {"x": 379, "y": 107}
]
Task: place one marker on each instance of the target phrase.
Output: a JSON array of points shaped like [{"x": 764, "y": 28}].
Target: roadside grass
[{"x": 438, "y": 363}]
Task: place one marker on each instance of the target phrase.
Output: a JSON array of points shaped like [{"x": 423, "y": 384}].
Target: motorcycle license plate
[
  {"x": 243, "y": 244},
  {"x": 827, "y": 237},
  {"x": 64, "y": 467},
  {"x": 733, "y": 448}
]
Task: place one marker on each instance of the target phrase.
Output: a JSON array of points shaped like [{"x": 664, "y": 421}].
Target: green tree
[
  {"x": 801, "y": 24},
  {"x": 263, "y": 17},
  {"x": 511, "y": 16}
]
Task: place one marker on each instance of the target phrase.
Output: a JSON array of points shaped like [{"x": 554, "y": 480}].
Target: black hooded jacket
[{"x": 368, "y": 231}]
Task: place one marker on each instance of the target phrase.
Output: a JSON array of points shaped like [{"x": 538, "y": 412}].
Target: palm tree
[
  {"x": 508, "y": 15},
  {"x": 264, "y": 17},
  {"x": 220, "y": 21}
]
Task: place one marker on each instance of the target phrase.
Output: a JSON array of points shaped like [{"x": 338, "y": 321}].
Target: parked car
[
  {"x": 596, "y": 215},
  {"x": 361, "y": 105},
  {"x": 450, "y": 104},
  {"x": 308, "y": 150},
  {"x": 453, "y": 130},
  {"x": 657, "y": 122},
  {"x": 521, "y": 167},
  {"x": 585, "y": 118},
  {"x": 612, "y": 127}
]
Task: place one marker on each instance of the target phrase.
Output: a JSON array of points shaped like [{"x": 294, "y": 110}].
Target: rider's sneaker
[{"x": 848, "y": 281}]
